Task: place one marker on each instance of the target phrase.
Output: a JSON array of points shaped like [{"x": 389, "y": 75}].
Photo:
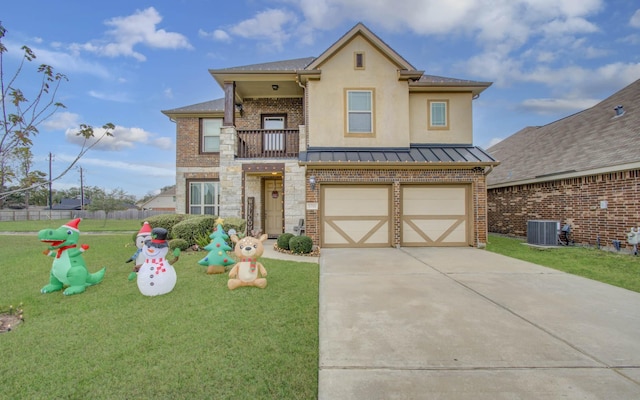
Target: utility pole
[
  {"x": 50, "y": 193},
  {"x": 81, "y": 191}
]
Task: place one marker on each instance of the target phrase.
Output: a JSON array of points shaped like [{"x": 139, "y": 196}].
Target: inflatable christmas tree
[{"x": 217, "y": 258}]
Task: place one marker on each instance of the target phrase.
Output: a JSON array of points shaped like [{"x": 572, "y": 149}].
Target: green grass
[
  {"x": 199, "y": 341},
  {"x": 87, "y": 225},
  {"x": 618, "y": 269}
]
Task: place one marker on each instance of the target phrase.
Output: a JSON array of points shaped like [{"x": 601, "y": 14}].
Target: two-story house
[{"x": 369, "y": 151}]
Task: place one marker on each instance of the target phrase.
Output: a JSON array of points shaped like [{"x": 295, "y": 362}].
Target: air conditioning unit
[{"x": 543, "y": 232}]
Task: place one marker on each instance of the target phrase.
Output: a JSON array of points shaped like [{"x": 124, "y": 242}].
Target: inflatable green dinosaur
[{"x": 68, "y": 265}]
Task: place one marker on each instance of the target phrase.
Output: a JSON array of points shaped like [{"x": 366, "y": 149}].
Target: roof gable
[
  {"x": 595, "y": 139},
  {"x": 361, "y": 30}
]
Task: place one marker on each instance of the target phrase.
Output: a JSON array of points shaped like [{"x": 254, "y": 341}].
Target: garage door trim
[
  {"x": 456, "y": 220},
  {"x": 379, "y": 219}
]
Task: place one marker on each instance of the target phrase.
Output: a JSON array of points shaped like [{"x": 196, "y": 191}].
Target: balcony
[{"x": 268, "y": 143}]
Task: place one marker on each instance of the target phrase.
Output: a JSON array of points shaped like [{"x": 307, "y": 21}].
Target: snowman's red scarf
[{"x": 252, "y": 263}]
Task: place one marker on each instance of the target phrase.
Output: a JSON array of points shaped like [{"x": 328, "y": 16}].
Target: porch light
[
  {"x": 275, "y": 87},
  {"x": 312, "y": 182}
]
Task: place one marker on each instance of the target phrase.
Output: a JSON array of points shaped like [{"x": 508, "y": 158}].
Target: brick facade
[
  {"x": 575, "y": 201},
  {"x": 253, "y": 109},
  {"x": 188, "y": 145},
  {"x": 397, "y": 177}
]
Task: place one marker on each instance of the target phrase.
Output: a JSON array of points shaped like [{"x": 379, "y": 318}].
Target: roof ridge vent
[{"x": 619, "y": 109}]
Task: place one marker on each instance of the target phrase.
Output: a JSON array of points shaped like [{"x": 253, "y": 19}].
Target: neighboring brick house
[
  {"x": 582, "y": 170},
  {"x": 369, "y": 151}
]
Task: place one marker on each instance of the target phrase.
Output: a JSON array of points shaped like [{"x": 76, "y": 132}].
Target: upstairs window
[
  {"x": 359, "y": 111},
  {"x": 358, "y": 61},
  {"x": 438, "y": 114},
  {"x": 210, "y": 134}
]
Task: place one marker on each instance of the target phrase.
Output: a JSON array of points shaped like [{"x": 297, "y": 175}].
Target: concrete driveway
[{"x": 463, "y": 323}]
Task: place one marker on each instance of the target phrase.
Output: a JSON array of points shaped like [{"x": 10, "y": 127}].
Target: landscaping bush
[
  {"x": 178, "y": 243},
  {"x": 238, "y": 224},
  {"x": 192, "y": 229},
  {"x": 167, "y": 221},
  {"x": 301, "y": 244},
  {"x": 283, "y": 241}
]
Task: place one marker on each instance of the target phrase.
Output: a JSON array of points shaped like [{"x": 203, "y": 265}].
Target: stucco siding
[
  {"x": 327, "y": 103},
  {"x": 460, "y": 118}
]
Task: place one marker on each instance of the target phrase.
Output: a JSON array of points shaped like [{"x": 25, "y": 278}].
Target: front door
[{"x": 273, "y": 207}]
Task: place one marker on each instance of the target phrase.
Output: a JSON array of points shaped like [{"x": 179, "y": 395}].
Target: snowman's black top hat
[{"x": 158, "y": 238}]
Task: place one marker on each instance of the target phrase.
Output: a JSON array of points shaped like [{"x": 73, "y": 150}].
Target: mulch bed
[
  {"x": 9, "y": 322},
  {"x": 314, "y": 253}
]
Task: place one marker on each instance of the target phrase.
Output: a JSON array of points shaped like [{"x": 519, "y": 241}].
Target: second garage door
[
  {"x": 435, "y": 215},
  {"x": 356, "y": 216}
]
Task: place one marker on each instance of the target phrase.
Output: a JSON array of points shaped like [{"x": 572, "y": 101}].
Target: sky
[{"x": 126, "y": 60}]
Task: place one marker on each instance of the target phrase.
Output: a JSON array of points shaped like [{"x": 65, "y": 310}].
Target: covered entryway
[
  {"x": 356, "y": 216},
  {"x": 435, "y": 215}
]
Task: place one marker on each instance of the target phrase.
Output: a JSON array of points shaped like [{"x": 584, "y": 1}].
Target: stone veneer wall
[
  {"x": 574, "y": 201},
  {"x": 398, "y": 177}
]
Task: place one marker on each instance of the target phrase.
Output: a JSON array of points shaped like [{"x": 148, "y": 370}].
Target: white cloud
[
  {"x": 631, "y": 39},
  {"x": 493, "y": 142},
  {"x": 558, "y": 27},
  {"x": 64, "y": 63},
  {"x": 555, "y": 106},
  {"x": 123, "y": 138},
  {"x": 217, "y": 35},
  {"x": 142, "y": 168},
  {"x": 269, "y": 25},
  {"x": 164, "y": 143},
  {"x": 635, "y": 19},
  {"x": 136, "y": 29},
  {"x": 61, "y": 120},
  {"x": 116, "y": 97},
  {"x": 488, "y": 21}
]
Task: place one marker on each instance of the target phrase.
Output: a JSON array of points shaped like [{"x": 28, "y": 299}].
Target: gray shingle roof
[
  {"x": 442, "y": 79},
  {"x": 276, "y": 66},
  {"x": 216, "y": 105},
  {"x": 591, "y": 139},
  {"x": 413, "y": 154}
]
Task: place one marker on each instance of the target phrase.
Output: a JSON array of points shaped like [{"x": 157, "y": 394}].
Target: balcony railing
[{"x": 268, "y": 143}]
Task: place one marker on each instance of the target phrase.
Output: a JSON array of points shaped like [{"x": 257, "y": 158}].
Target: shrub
[
  {"x": 301, "y": 244},
  {"x": 167, "y": 221},
  {"x": 178, "y": 243},
  {"x": 202, "y": 241},
  {"x": 283, "y": 240},
  {"x": 192, "y": 229},
  {"x": 238, "y": 224}
]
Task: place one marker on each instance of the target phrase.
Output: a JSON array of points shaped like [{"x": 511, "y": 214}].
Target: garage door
[
  {"x": 356, "y": 216},
  {"x": 435, "y": 215}
]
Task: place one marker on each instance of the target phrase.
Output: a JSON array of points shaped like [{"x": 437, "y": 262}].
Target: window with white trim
[
  {"x": 210, "y": 134},
  {"x": 359, "y": 111},
  {"x": 438, "y": 114},
  {"x": 204, "y": 198}
]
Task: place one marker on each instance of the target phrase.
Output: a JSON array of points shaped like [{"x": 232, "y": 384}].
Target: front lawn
[
  {"x": 199, "y": 341},
  {"x": 87, "y": 225},
  {"x": 616, "y": 269}
]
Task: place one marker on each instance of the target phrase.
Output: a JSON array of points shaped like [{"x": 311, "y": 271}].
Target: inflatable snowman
[
  {"x": 156, "y": 275},
  {"x": 143, "y": 235}
]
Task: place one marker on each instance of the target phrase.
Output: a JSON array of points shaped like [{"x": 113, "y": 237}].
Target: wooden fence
[{"x": 40, "y": 214}]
